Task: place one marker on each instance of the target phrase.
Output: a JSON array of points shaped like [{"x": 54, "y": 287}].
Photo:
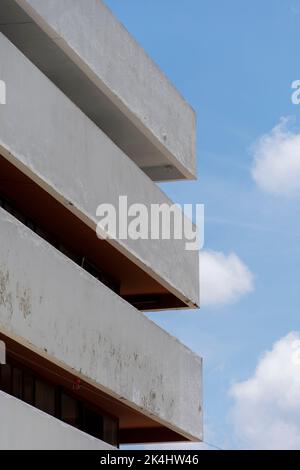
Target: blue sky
[{"x": 234, "y": 61}]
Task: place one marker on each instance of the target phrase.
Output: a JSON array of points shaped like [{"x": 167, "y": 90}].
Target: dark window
[
  {"x": 23, "y": 384},
  {"x": 69, "y": 410},
  {"x": 92, "y": 423},
  {"x": 110, "y": 431},
  {"x": 45, "y": 397},
  {"x": 17, "y": 384},
  {"x": 81, "y": 260},
  {"x": 5, "y": 374},
  {"x": 28, "y": 389}
]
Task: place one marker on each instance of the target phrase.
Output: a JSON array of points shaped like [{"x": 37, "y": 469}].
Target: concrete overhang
[
  {"x": 91, "y": 57},
  {"x": 56, "y": 316},
  {"x": 59, "y": 150}
]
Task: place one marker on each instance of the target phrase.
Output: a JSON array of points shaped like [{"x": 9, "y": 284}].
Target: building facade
[{"x": 88, "y": 117}]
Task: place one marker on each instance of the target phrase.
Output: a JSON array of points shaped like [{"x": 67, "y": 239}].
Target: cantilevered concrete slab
[
  {"x": 51, "y": 306},
  {"x": 91, "y": 57},
  {"x": 53, "y": 142}
]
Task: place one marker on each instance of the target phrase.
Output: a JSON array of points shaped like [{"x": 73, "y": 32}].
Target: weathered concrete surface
[
  {"x": 44, "y": 134},
  {"x": 83, "y": 48},
  {"x": 52, "y": 304},
  {"x": 23, "y": 427}
]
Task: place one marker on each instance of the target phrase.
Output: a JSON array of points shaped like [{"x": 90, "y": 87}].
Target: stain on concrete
[
  {"x": 5, "y": 294},
  {"x": 25, "y": 302},
  {"x": 150, "y": 401}
]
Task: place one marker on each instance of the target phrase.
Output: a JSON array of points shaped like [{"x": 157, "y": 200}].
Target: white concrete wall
[
  {"x": 50, "y": 139},
  {"x": 23, "y": 427},
  {"x": 103, "y": 49},
  {"x": 52, "y": 304}
]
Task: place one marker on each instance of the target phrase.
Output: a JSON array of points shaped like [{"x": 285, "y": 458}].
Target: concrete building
[{"x": 89, "y": 117}]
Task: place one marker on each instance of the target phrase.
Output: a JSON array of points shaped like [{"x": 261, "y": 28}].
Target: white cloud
[
  {"x": 223, "y": 279},
  {"x": 276, "y": 165},
  {"x": 266, "y": 411}
]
